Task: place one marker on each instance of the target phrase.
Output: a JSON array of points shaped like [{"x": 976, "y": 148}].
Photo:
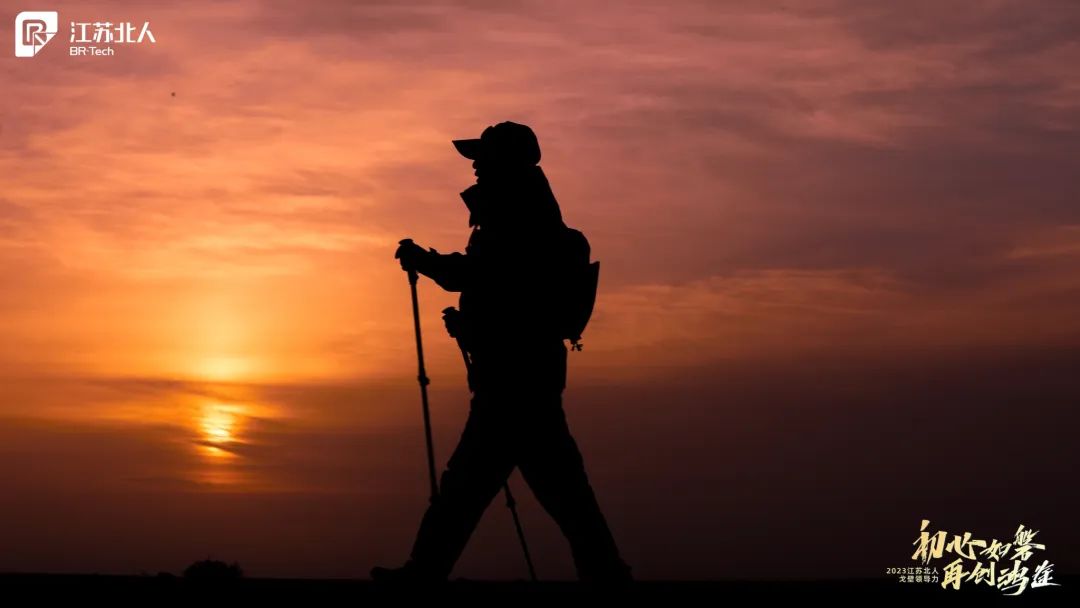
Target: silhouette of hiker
[{"x": 520, "y": 264}]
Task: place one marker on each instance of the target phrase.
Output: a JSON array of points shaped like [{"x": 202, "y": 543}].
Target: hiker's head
[
  {"x": 502, "y": 151},
  {"x": 511, "y": 190}
]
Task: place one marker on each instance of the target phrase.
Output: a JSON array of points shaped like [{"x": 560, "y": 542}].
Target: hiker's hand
[
  {"x": 409, "y": 254},
  {"x": 452, "y": 318}
]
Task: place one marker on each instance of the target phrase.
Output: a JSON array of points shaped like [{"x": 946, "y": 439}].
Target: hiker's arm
[{"x": 449, "y": 271}]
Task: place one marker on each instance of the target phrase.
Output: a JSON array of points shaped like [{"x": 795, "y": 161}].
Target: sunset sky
[{"x": 840, "y": 247}]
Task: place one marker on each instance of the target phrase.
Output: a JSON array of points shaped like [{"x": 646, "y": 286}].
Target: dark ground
[{"x": 165, "y": 587}]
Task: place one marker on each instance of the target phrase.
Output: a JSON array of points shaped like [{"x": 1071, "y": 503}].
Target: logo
[
  {"x": 975, "y": 562},
  {"x": 33, "y": 30}
]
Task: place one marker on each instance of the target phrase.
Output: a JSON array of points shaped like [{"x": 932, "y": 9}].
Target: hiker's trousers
[{"x": 507, "y": 430}]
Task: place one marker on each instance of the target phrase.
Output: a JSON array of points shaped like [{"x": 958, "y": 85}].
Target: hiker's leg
[
  {"x": 474, "y": 474},
  {"x": 553, "y": 467}
]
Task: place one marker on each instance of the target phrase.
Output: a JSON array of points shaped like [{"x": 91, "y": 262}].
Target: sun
[{"x": 218, "y": 423}]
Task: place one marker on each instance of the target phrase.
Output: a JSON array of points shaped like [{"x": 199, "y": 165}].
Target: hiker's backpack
[{"x": 581, "y": 280}]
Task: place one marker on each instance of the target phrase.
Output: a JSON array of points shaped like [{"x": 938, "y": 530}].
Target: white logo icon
[{"x": 33, "y": 30}]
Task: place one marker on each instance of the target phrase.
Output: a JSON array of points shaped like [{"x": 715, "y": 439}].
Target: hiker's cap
[{"x": 508, "y": 142}]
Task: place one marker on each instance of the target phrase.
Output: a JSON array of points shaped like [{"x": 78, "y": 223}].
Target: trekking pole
[
  {"x": 510, "y": 502},
  {"x": 423, "y": 380},
  {"x": 512, "y": 505}
]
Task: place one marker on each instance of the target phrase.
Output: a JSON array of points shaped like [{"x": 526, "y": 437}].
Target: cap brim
[{"x": 469, "y": 148}]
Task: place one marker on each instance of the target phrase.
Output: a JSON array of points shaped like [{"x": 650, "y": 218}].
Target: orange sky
[{"x": 200, "y": 305}]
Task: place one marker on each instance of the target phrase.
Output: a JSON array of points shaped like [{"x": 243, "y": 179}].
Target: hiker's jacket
[{"x": 513, "y": 283}]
